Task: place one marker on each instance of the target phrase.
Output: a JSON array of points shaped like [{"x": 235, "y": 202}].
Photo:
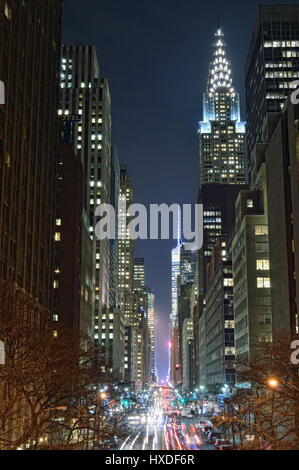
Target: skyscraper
[
  {"x": 126, "y": 246},
  {"x": 221, "y": 132},
  {"x": 139, "y": 274},
  {"x": 114, "y": 246},
  {"x": 126, "y": 275},
  {"x": 182, "y": 276},
  {"x": 272, "y": 64},
  {"x": 29, "y": 51},
  {"x": 85, "y": 98},
  {"x": 173, "y": 372},
  {"x": 222, "y": 152},
  {"x": 152, "y": 329},
  {"x": 282, "y": 162}
]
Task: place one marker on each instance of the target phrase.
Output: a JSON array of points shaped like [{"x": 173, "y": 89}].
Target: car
[
  {"x": 220, "y": 443},
  {"x": 207, "y": 429},
  {"x": 213, "y": 435}
]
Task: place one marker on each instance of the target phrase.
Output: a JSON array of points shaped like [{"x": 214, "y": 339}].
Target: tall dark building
[
  {"x": 272, "y": 64},
  {"x": 68, "y": 238},
  {"x": 29, "y": 51},
  {"x": 282, "y": 163},
  {"x": 219, "y": 216}
]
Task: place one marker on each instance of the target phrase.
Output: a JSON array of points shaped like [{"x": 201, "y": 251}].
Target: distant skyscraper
[
  {"x": 139, "y": 274},
  {"x": 85, "y": 98},
  {"x": 152, "y": 328},
  {"x": 272, "y": 64},
  {"x": 175, "y": 273},
  {"x": 126, "y": 247},
  {"x": 221, "y": 132},
  {"x": 114, "y": 246}
]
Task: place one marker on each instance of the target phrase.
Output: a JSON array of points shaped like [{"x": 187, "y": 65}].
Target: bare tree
[
  {"x": 264, "y": 413},
  {"x": 49, "y": 390}
]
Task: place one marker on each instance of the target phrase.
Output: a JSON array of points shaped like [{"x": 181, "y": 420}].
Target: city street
[{"x": 163, "y": 427}]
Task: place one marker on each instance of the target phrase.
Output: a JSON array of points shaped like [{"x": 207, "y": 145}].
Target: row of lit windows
[{"x": 281, "y": 44}]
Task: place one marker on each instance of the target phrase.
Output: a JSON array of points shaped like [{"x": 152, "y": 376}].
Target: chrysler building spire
[{"x": 220, "y": 73}]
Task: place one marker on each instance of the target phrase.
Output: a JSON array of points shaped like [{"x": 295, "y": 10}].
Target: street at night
[{"x": 149, "y": 230}]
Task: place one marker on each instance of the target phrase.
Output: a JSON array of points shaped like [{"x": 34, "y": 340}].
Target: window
[
  {"x": 56, "y": 284},
  {"x": 262, "y": 265},
  {"x": 229, "y": 324},
  {"x": 250, "y": 203},
  {"x": 7, "y": 11},
  {"x": 261, "y": 230},
  {"x": 55, "y": 318},
  {"x": 228, "y": 282},
  {"x": 55, "y": 334},
  {"x": 58, "y": 222},
  {"x": 263, "y": 283},
  {"x": 229, "y": 351},
  {"x": 57, "y": 236}
]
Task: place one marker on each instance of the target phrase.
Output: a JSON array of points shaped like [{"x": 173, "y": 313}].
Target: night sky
[{"x": 156, "y": 55}]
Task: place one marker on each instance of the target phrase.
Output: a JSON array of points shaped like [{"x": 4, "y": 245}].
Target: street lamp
[{"x": 273, "y": 382}]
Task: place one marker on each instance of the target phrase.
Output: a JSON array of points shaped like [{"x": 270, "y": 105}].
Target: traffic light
[{"x": 126, "y": 403}]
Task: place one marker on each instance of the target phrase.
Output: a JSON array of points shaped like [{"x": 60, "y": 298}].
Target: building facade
[
  {"x": 251, "y": 271},
  {"x": 272, "y": 64},
  {"x": 282, "y": 168},
  {"x": 85, "y": 98},
  {"x": 30, "y": 34}
]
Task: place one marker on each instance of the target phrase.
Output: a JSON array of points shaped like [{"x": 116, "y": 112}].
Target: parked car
[
  {"x": 213, "y": 435},
  {"x": 222, "y": 444}
]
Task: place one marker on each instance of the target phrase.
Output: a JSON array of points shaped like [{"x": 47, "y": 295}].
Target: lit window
[
  {"x": 55, "y": 318},
  {"x": 55, "y": 334},
  {"x": 263, "y": 283},
  {"x": 57, "y": 236},
  {"x": 56, "y": 284},
  {"x": 250, "y": 203},
  {"x": 261, "y": 230},
  {"x": 262, "y": 265},
  {"x": 58, "y": 222}
]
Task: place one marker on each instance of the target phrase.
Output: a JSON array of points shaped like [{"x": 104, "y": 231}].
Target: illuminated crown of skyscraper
[{"x": 220, "y": 72}]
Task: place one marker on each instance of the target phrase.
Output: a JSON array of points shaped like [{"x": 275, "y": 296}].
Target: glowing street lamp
[{"x": 273, "y": 382}]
